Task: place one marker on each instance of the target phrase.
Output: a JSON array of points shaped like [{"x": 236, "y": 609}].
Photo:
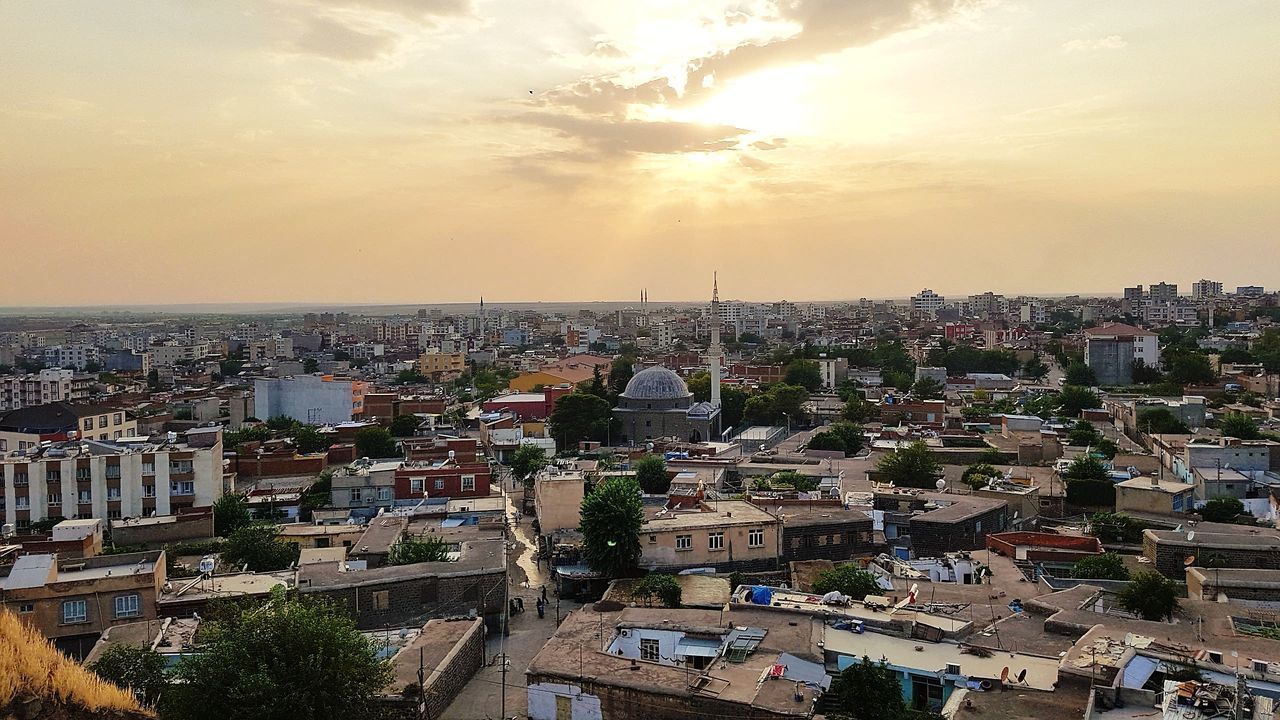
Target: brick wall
[
  {"x": 417, "y": 599},
  {"x": 447, "y": 680},
  {"x": 934, "y": 539},
  {"x": 1168, "y": 557},
  {"x": 626, "y": 703},
  {"x": 818, "y": 542},
  {"x": 195, "y": 526}
]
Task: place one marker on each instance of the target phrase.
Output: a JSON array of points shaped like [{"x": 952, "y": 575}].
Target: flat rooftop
[
  {"x": 432, "y": 644},
  {"x": 812, "y": 604},
  {"x": 1042, "y": 672},
  {"x": 714, "y": 514},
  {"x": 180, "y": 590}
]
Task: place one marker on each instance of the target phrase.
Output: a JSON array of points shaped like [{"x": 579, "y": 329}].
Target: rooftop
[{"x": 714, "y": 514}]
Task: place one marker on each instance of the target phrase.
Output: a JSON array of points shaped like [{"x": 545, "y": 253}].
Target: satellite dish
[
  {"x": 1004, "y": 674},
  {"x": 1022, "y": 675},
  {"x": 1191, "y": 559},
  {"x": 941, "y": 484},
  {"x": 1191, "y": 536}
]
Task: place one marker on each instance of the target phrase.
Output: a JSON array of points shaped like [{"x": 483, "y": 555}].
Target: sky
[{"x": 401, "y": 151}]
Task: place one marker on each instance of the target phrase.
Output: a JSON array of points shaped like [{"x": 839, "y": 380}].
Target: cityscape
[{"x": 751, "y": 359}]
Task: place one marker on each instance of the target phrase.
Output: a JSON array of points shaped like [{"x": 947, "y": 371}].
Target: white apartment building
[
  {"x": 1204, "y": 289},
  {"x": 42, "y": 388},
  {"x": 1035, "y": 313},
  {"x": 130, "y": 477},
  {"x": 927, "y": 301},
  {"x": 76, "y": 355},
  {"x": 170, "y": 355},
  {"x": 1170, "y": 313}
]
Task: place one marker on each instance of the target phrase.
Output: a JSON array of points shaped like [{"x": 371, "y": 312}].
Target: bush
[
  {"x": 1107, "y": 566},
  {"x": 1115, "y": 528},
  {"x": 848, "y": 580},
  {"x": 910, "y": 466},
  {"x": 1222, "y": 510},
  {"x": 421, "y": 549},
  {"x": 651, "y": 473},
  {"x": 1086, "y": 468},
  {"x": 794, "y": 480},
  {"x": 977, "y": 475},
  {"x": 260, "y": 548},
  {"x": 1150, "y": 595},
  {"x": 664, "y": 588}
]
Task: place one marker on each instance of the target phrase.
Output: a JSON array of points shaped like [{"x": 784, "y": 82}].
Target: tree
[
  {"x": 1144, "y": 374},
  {"x": 404, "y": 426},
  {"x": 281, "y": 423},
  {"x": 339, "y": 354},
  {"x": 868, "y": 690},
  {"x": 1083, "y": 433},
  {"x": 733, "y": 401},
  {"x": 597, "y": 387},
  {"x": 1086, "y": 467},
  {"x": 421, "y": 549},
  {"x": 651, "y": 473},
  {"x": 1188, "y": 367},
  {"x": 1239, "y": 425},
  {"x": 827, "y": 440},
  {"x": 977, "y": 475},
  {"x": 793, "y": 480},
  {"x": 804, "y": 373},
  {"x": 153, "y": 379},
  {"x": 291, "y": 658},
  {"x": 309, "y": 439},
  {"x": 1222, "y": 510},
  {"x": 1115, "y": 528},
  {"x": 664, "y": 588},
  {"x": 1035, "y": 369},
  {"x": 1075, "y": 398},
  {"x": 132, "y": 667},
  {"x": 580, "y": 416},
  {"x": 910, "y": 466},
  {"x": 927, "y": 388},
  {"x": 848, "y": 580},
  {"x": 1161, "y": 421},
  {"x": 1080, "y": 374},
  {"x": 230, "y": 513},
  {"x": 620, "y": 373},
  {"x": 410, "y": 376},
  {"x": 526, "y": 462},
  {"x": 610, "y": 522},
  {"x": 1105, "y": 566},
  {"x": 259, "y": 546},
  {"x": 375, "y": 442},
  {"x": 1107, "y": 448},
  {"x": 1150, "y": 595},
  {"x": 858, "y": 410},
  {"x": 310, "y": 365}
]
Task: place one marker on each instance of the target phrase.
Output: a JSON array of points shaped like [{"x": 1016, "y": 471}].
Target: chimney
[{"x": 1155, "y": 481}]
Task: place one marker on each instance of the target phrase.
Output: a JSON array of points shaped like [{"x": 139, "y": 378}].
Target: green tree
[
  {"x": 153, "y": 379},
  {"x": 1075, "y": 398},
  {"x": 827, "y": 440},
  {"x": 281, "y": 423},
  {"x": 579, "y": 416},
  {"x": 291, "y": 658},
  {"x": 927, "y": 388},
  {"x": 410, "y": 376},
  {"x": 1150, "y": 595},
  {"x": 1080, "y": 374},
  {"x": 596, "y": 386},
  {"x": 1107, "y": 448},
  {"x": 910, "y": 466},
  {"x": 656, "y": 586},
  {"x": 1035, "y": 369},
  {"x": 310, "y": 365},
  {"x": 1187, "y": 367},
  {"x": 309, "y": 439},
  {"x": 404, "y": 426},
  {"x": 1144, "y": 374},
  {"x": 847, "y": 580},
  {"x": 858, "y": 410},
  {"x": 1160, "y": 421},
  {"x": 1115, "y": 528},
  {"x": 375, "y": 442},
  {"x": 1222, "y": 510},
  {"x": 420, "y": 549},
  {"x": 611, "y": 517},
  {"x": 804, "y": 373},
  {"x": 620, "y": 373},
  {"x": 1086, "y": 467},
  {"x": 978, "y": 474},
  {"x": 868, "y": 690},
  {"x": 526, "y": 462},
  {"x": 259, "y": 547},
  {"x": 1239, "y": 425},
  {"x": 651, "y": 473},
  {"x": 1106, "y": 566},
  {"x": 733, "y": 401},
  {"x": 132, "y": 667},
  {"x": 230, "y": 513},
  {"x": 1083, "y": 433},
  {"x": 793, "y": 480}
]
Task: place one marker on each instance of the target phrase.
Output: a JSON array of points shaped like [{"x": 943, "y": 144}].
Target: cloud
[
  {"x": 332, "y": 39},
  {"x": 1110, "y": 42},
  {"x": 753, "y": 163},
  {"x": 613, "y": 137},
  {"x": 418, "y": 10},
  {"x": 606, "y": 49},
  {"x": 773, "y": 144}
]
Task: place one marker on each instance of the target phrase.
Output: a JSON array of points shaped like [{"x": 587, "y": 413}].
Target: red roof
[{"x": 1118, "y": 330}]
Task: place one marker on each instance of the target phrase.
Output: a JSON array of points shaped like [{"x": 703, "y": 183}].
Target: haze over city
[{"x": 396, "y": 151}]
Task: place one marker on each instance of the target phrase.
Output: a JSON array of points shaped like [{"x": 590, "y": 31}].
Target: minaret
[
  {"x": 714, "y": 349},
  {"x": 482, "y": 319}
]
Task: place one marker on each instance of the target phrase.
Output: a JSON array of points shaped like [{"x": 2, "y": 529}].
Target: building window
[
  {"x": 180, "y": 466},
  {"x": 22, "y": 502},
  {"x": 148, "y": 491},
  {"x": 115, "y": 514},
  {"x": 649, "y": 650},
  {"x": 357, "y": 495},
  {"x": 715, "y": 541},
  {"x": 149, "y": 468},
  {"x": 127, "y": 606},
  {"x": 113, "y": 472},
  {"x": 439, "y": 484},
  {"x": 113, "y": 493},
  {"x": 27, "y": 608},
  {"x": 19, "y": 478},
  {"x": 83, "y": 474},
  {"x": 684, "y": 542},
  {"x": 415, "y": 485},
  {"x": 88, "y": 424},
  {"x": 55, "y": 498},
  {"x": 468, "y": 482},
  {"x": 185, "y": 487},
  {"x": 381, "y": 599},
  {"x": 52, "y": 475},
  {"x": 755, "y": 538},
  {"x": 653, "y": 539},
  {"x": 86, "y": 496},
  {"x": 384, "y": 493},
  {"x": 74, "y": 611},
  {"x": 119, "y": 418},
  {"x": 102, "y": 421}
]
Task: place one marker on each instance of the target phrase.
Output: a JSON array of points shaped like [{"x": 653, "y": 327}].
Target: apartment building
[
  {"x": 927, "y": 302},
  {"x": 170, "y": 355},
  {"x": 1112, "y": 349},
  {"x": 726, "y": 535},
  {"x": 75, "y": 355},
  {"x": 129, "y": 477},
  {"x": 27, "y": 427},
  {"x": 436, "y": 365},
  {"x": 42, "y": 388},
  {"x": 1204, "y": 289},
  {"x": 310, "y": 398}
]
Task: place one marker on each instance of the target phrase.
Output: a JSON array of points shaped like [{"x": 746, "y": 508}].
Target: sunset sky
[{"x": 405, "y": 151}]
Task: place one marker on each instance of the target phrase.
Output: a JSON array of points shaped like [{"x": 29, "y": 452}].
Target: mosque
[{"x": 658, "y": 404}]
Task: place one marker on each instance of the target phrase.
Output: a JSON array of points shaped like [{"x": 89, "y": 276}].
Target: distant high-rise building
[
  {"x": 1250, "y": 290},
  {"x": 1163, "y": 292},
  {"x": 927, "y": 301},
  {"x": 1134, "y": 294},
  {"x": 1205, "y": 289}
]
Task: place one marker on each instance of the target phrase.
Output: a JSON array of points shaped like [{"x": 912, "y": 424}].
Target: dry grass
[{"x": 31, "y": 667}]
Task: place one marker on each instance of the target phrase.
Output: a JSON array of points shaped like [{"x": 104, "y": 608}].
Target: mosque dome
[{"x": 656, "y": 383}]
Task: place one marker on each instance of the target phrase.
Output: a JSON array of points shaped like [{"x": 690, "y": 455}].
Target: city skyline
[{"x": 367, "y": 152}]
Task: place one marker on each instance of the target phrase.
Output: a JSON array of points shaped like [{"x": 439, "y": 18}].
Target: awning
[{"x": 697, "y": 647}]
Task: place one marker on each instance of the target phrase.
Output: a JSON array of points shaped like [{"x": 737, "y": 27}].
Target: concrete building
[
  {"x": 1154, "y": 496},
  {"x": 313, "y": 399},
  {"x": 835, "y": 370},
  {"x": 173, "y": 354},
  {"x": 932, "y": 524},
  {"x": 1163, "y": 292},
  {"x": 438, "y": 365},
  {"x": 42, "y": 388},
  {"x": 557, "y": 500},
  {"x": 1223, "y": 546},
  {"x": 1250, "y": 291},
  {"x": 130, "y": 477},
  {"x": 825, "y": 533},
  {"x": 1204, "y": 289},
  {"x": 82, "y": 596},
  {"x": 727, "y": 535},
  {"x": 1034, "y": 313},
  {"x": 1112, "y": 349},
  {"x": 75, "y": 355},
  {"x": 927, "y": 302},
  {"x": 657, "y": 404},
  {"x": 27, "y": 427}
]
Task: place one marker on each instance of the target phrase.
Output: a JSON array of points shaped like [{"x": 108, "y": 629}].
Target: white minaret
[{"x": 714, "y": 350}]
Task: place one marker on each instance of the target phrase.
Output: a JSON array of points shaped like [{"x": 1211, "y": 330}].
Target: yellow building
[
  {"x": 727, "y": 535},
  {"x": 433, "y": 364}
]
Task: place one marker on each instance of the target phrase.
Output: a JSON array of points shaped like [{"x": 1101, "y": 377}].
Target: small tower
[{"x": 714, "y": 350}]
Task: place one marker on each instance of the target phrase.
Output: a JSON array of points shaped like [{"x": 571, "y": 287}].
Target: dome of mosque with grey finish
[{"x": 656, "y": 383}]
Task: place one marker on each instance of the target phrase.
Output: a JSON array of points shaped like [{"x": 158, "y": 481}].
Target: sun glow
[{"x": 768, "y": 103}]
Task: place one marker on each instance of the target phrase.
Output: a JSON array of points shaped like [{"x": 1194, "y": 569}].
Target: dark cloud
[
  {"x": 613, "y": 137},
  {"x": 332, "y": 39}
]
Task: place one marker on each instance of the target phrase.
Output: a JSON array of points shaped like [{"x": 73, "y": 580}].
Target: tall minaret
[{"x": 714, "y": 349}]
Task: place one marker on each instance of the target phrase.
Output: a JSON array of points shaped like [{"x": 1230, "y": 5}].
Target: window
[
  {"x": 953, "y": 669},
  {"x": 115, "y": 514},
  {"x": 117, "y": 434},
  {"x": 88, "y": 424},
  {"x": 184, "y": 487},
  {"x": 118, "y": 418},
  {"x": 384, "y": 493},
  {"x": 684, "y": 542},
  {"x": 148, "y": 491},
  {"x": 653, "y": 539},
  {"x": 357, "y": 495},
  {"x": 180, "y": 466},
  {"x": 649, "y": 650},
  {"x": 381, "y": 599},
  {"x": 27, "y": 607},
  {"x": 102, "y": 421},
  {"x": 52, "y": 475},
  {"x": 127, "y": 606},
  {"x": 715, "y": 541},
  {"x": 1215, "y": 657},
  {"x": 74, "y": 611},
  {"x": 22, "y": 502},
  {"x": 55, "y": 498},
  {"x": 86, "y": 496},
  {"x": 755, "y": 538},
  {"x": 20, "y": 478},
  {"x": 439, "y": 484},
  {"x": 113, "y": 493},
  {"x": 468, "y": 482},
  {"x": 415, "y": 485},
  {"x": 113, "y": 472},
  {"x": 83, "y": 474},
  {"x": 149, "y": 468}
]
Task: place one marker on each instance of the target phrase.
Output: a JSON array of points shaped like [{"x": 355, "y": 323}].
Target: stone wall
[
  {"x": 934, "y": 539},
  {"x": 818, "y": 542},
  {"x": 413, "y": 600}
]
